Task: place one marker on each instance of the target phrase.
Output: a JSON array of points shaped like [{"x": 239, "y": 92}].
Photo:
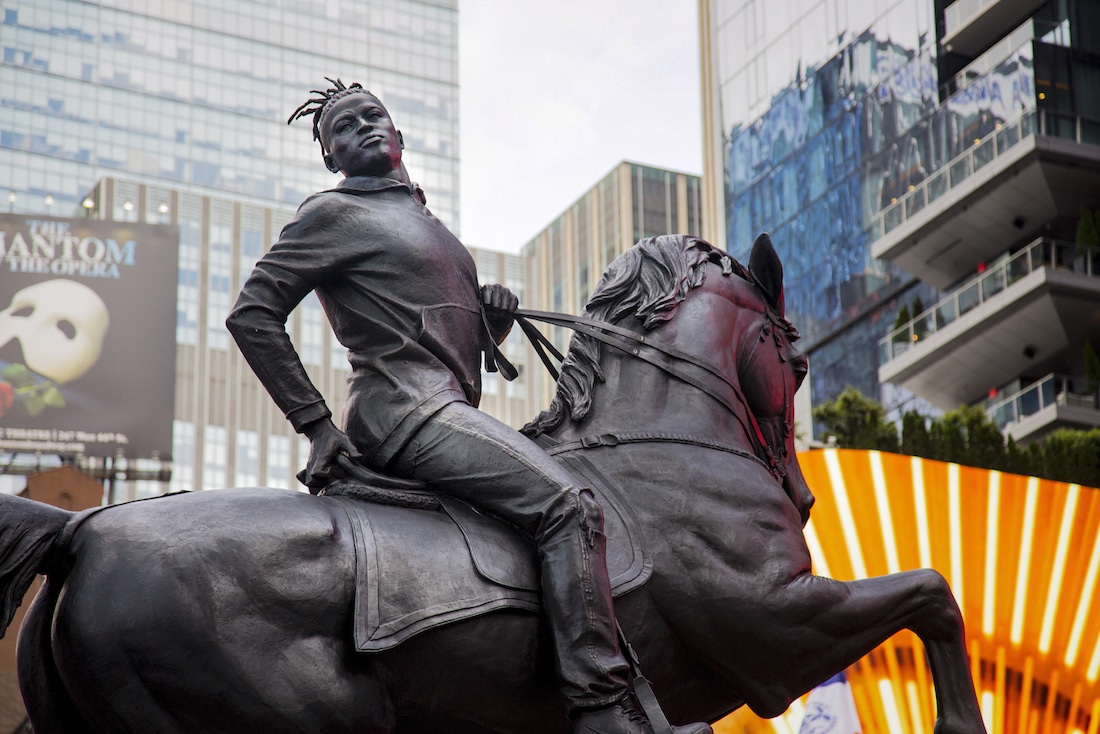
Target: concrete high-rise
[
  {"x": 941, "y": 157},
  {"x": 563, "y": 262}
]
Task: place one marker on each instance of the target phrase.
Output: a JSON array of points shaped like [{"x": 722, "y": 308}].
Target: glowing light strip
[
  {"x": 889, "y": 705},
  {"x": 885, "y": 521},
  {"x": 1023, "y": 567},
  {"x": 1084, "y": 603},
  {"x": 1094, "y": 664},
  {"x": 954, "y": 504},
  {"x": 1059, "y": 569},
  {"x": 915, "y": 709},
  {"x": 795, "y": 714},
  {"x": 920, "y": 502},
  {"x": 989, "y": 601},
  {"x": 780, "y": 725},
  {"x": 847, "y": 521},
  {"x": 817, "y": 553},
  {"x": 987, "y": 709}
]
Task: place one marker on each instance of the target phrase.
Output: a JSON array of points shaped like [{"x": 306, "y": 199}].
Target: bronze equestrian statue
[
  {"x": 401, "y": 293},
  {"x": 265, "y": 610}
]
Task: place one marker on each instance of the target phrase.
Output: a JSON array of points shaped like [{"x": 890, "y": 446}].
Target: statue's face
[{"x": 360, "y": 137}]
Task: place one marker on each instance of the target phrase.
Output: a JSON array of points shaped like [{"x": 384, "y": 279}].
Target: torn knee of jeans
[{"x": 589, "y": 514}]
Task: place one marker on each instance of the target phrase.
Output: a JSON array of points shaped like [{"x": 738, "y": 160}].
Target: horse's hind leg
[
  {"x": 49, "y": 706},
  {"x": 825, "y": 625}
]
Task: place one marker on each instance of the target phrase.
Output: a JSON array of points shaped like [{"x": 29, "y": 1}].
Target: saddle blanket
[{"x": 422, "y": 568}]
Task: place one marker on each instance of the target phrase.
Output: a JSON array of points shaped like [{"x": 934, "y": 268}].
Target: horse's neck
[{"x": 638, "y": 397}]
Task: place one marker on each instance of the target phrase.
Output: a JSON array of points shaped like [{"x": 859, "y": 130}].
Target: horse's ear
[{"x": 766, "y": 268}]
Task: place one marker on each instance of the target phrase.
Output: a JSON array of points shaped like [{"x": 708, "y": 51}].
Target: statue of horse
[{"x": 232, "y": 611}]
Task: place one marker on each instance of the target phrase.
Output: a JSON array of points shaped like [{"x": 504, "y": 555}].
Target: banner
[
  {"x": 87, "y": 336},
  {"x": 830, "y": 709}
]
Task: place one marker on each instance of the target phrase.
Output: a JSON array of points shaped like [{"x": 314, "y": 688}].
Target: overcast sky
[{"x": 554, "y": 94}]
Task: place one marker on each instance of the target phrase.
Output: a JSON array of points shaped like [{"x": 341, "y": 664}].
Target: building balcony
[
  {"x": 1020, "y": 316},
  {"x": 970, "y": 26},
  {"x": 1055, "y": 401},
  {"x": 1028, "y": 170}
]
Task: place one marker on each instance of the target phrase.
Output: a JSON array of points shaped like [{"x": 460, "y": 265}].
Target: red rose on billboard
[{"x": 7, "y": 397}]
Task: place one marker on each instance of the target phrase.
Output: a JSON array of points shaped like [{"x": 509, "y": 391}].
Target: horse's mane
[{"x": 648, "y": 281}]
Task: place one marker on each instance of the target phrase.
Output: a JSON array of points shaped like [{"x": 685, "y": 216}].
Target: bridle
[{"x": 690, "y": 369}]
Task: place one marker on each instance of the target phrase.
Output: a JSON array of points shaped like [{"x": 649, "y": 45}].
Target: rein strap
[{"x": 664, "y": 358}]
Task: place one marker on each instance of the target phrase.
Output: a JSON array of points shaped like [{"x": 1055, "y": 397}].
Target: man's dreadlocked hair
[{"x": 318, "y": 106}]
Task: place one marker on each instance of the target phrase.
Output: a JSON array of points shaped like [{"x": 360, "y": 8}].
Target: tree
[
  {"x": 914, "y": 434},
  {"x": 900, "y": 322},
  {"x": 1088, "y": 230},
  {"x": 920, "y": 328},
  {"x": 963, "y": 436},
  {"x": 1072, "y": 456},
  {"x": 857, "y": 422},
  {"x": 1092, "y": 368}
]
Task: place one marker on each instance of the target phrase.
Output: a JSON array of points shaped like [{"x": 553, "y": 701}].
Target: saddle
[{"x": 423, "y": 559}]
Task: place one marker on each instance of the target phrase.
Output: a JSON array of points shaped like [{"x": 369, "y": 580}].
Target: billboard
[{"x": 87, "y": 336}]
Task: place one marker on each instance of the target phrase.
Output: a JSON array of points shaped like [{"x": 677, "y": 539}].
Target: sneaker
[{"x": 624, "y": 718}]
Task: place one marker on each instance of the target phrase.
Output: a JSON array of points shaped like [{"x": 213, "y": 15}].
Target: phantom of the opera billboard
[{"x": 87, "y": 336}]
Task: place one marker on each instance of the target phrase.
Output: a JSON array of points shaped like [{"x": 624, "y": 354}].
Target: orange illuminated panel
[{"x": 1022, "y": 555}]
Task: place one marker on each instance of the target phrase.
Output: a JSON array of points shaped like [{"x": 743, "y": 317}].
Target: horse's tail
[{"x": 29, "y": 532}]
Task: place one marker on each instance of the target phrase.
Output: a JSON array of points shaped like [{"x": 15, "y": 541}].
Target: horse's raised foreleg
[{"x": 817, "y": 626}]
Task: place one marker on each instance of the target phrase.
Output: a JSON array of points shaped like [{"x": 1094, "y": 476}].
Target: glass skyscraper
[
  {"x": 174, "y": 112},
  {"x": 856, "y": 132},
  {"x": 197, "y": 93}
]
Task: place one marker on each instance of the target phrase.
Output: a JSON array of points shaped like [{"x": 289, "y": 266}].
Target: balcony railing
[
  {"x": 1051, "y": 390},
  {"x": 1042, "y": 253},
  {"x": 984, "y": 151},
  {"x": 959, "y": 12}
]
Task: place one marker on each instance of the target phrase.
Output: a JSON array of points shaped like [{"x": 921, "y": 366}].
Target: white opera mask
[{"x": 60, "y": 324}]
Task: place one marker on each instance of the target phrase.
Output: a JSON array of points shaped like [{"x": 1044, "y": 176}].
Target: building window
[
  {"x": 220, "y": 265},
  {"x": 215, "y": 450},
  {"x": 190, "y": 262},
  {"x": 248, "y": 459},
  {"x": 278, "y": 461},
  {"x": 312, "y": 323},
  {"x": 183, "y": 456}
]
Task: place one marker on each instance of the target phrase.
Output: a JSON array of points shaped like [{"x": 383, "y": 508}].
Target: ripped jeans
[{"x": 472, "y": 456}]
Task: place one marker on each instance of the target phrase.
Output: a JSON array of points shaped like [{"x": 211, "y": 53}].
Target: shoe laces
[{"x": 632, "y": 712}]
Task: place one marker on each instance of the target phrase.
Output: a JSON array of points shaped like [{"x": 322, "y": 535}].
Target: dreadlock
[{"x": 318, "y": 106}]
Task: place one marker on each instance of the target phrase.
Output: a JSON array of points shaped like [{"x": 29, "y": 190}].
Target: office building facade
[
  {"x": 175, "y": 113},
  {"x": 564, "y": 261}
]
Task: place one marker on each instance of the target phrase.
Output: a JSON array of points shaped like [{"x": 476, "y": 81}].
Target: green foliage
[
  {"x": 1092, "y": 367},
  {"x": 920, "y": 327},
  {"x": 34, "y": 395},
  {"x": 902, "y": 319},
  {"x": 857, "y": 422},
  {"x": 964, "y": 436},
  {"x": 1072, "y": 456},
  {"x": 947, "y": 439},
  {"x": 1088, "y": 230},
  {"x": 915, "y": 440}
]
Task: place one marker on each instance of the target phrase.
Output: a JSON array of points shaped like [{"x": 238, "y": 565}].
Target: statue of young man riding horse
[{"x": 401, "y": 294}]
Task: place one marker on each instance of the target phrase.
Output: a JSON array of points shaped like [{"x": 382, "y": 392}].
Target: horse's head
[
  {"x": 723, "y": 335},
  {"x": 771, "y": 370}
]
